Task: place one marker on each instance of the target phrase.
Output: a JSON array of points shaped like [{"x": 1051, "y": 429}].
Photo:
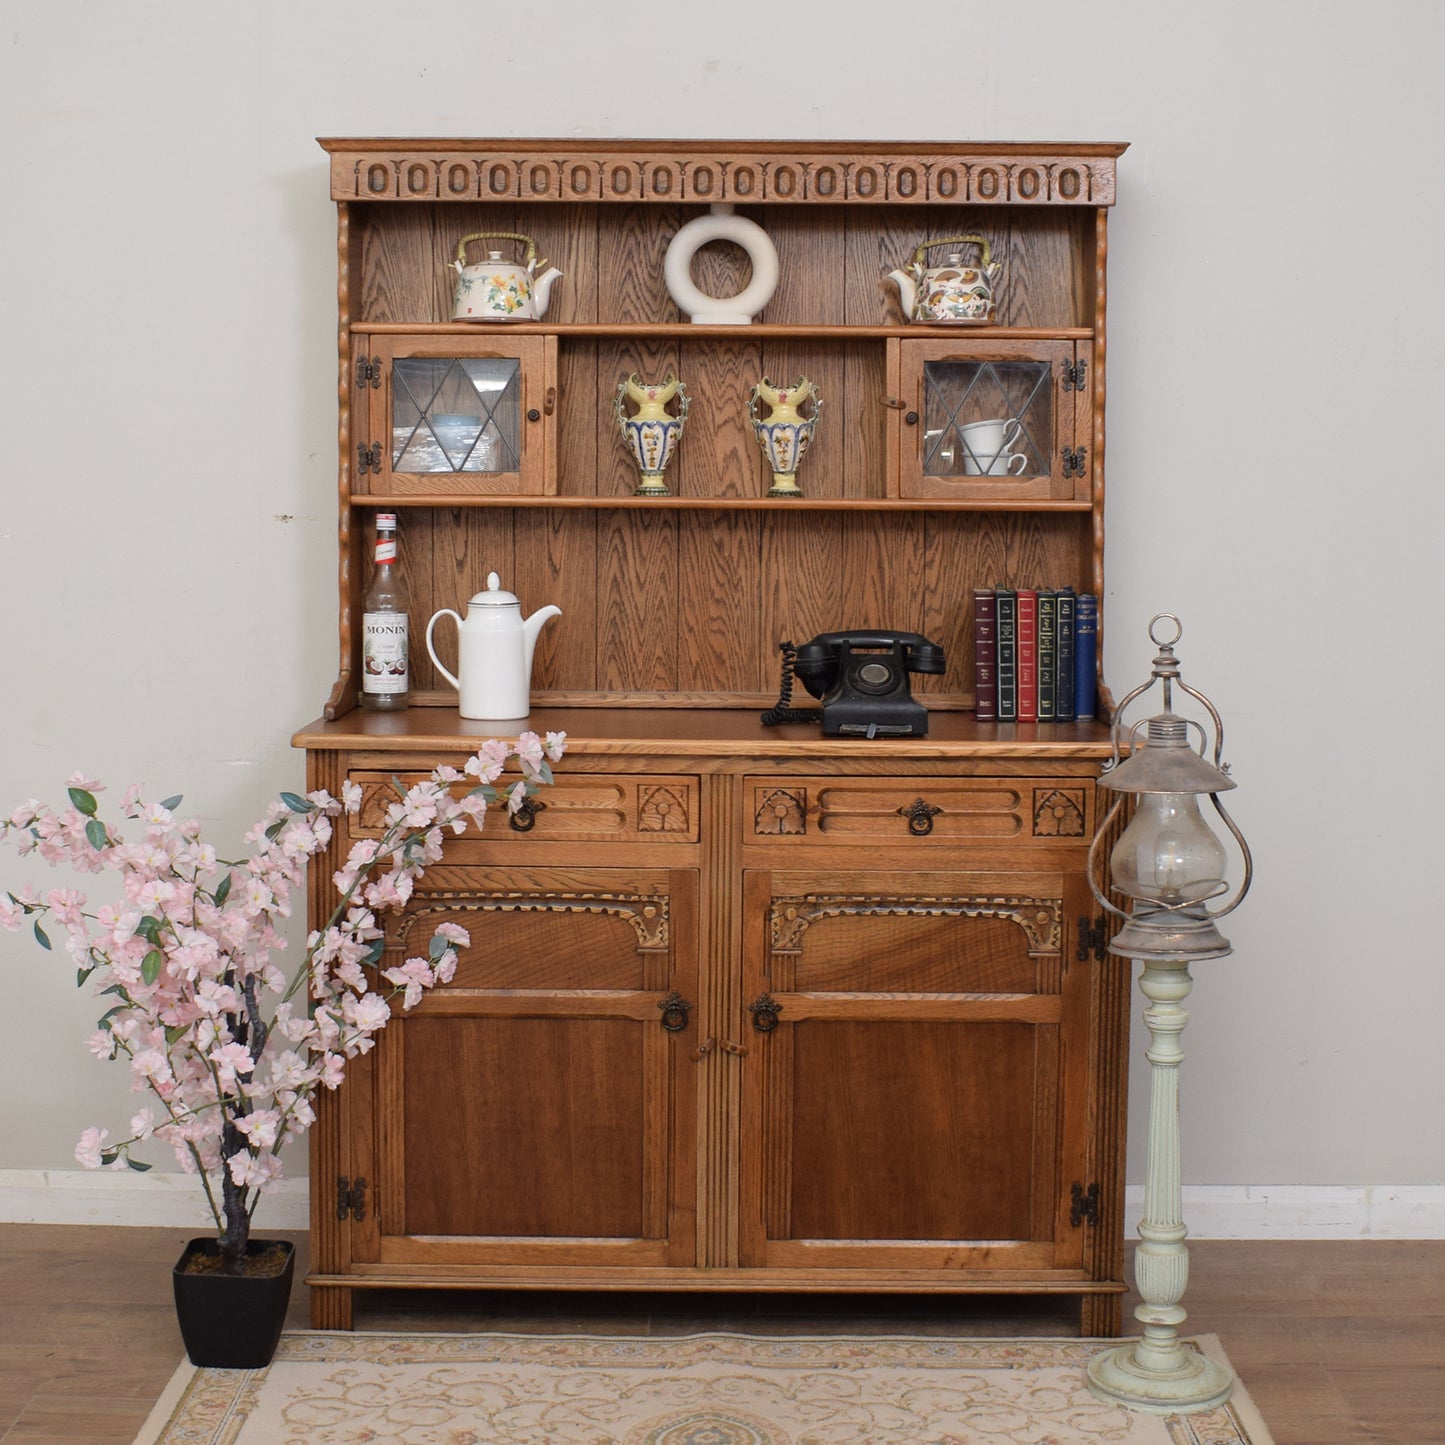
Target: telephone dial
[{"x": 862, "y": 680}]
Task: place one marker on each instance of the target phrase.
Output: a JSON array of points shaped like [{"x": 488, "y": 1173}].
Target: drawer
[
  {"x": 578, "y": 807},
  {"x": 938, "y": 811}
]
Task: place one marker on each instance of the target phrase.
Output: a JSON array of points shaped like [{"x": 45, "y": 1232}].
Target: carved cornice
[
  {"x": 1040, "y": 918},
  {"x": 791, "y": 174},
  {"x": 646, "y": 912}
]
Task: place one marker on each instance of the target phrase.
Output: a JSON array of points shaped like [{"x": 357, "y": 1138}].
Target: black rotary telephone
[{"x": 862, "y": 679}]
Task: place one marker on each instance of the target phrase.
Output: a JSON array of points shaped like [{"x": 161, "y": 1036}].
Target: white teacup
[
  {"x": 986, "y": 443},
  {"x": 999, "y": 466}
]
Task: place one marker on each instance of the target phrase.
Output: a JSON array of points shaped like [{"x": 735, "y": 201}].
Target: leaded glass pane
[
  {"x": 987, "y": 418},
  {"x": 456, "y": 414}
]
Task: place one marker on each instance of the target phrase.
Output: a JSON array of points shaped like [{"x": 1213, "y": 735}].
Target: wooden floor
[{"x": 1338, "y": 1343}]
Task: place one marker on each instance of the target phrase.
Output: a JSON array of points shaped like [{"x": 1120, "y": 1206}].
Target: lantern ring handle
[{"x": 1165, "y": 641}]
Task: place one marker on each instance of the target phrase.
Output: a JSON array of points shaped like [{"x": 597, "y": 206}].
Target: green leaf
[
  {"x": 544, "y": 772},
  {"x": 171, "y": 804},
  {"x": 175, "y": 1033},
  {"x": 40, "y": 937},
  {"x": 224, "y": 891},
  {"x": 96, "y": 835},
  {"x": 274, "y": 831},
  {"x": 438, "y": 947},
  {"x": 82, "y": 801},
  {"x": 81, "y": 974},
  {"x": 149, "y": 928},
  {"x": 105, "y": 1018},
  {"x": 298, "y": 804},
  {"x": 150, "y": 969},
  {"x": 375, "y": 952},
  {"x": 136, "y": 1164},
  {"x": 109, "y": 1156}
]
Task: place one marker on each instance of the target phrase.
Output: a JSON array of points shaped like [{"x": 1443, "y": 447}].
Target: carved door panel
[
  {"x": 915, "y": 1095},
  {"x": 535, "y": 1110}
]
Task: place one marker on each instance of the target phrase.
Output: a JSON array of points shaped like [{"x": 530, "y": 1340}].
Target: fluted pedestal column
[{"x": 1157, "y": 1372}]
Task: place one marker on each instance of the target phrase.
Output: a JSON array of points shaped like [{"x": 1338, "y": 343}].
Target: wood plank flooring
[{"x": 1338, "y": 1342}]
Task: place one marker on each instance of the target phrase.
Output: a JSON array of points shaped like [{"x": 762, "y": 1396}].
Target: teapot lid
[{"x": 494, "y": 596}]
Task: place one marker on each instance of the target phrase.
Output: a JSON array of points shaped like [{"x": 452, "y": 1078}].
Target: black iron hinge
[
  {"x": 1075, "y": 461},
  {"x": 368, "y": 371},
  {"x": 1092, "y": 939},
  {"x": 368, "y": 458},
  {"x": 1084, "y": 1204},
  {"x": 350, "y": 1199},
  {"x": 1074, "y": 373}
]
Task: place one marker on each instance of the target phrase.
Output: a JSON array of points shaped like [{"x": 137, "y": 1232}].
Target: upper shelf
[{"x": 661, "y": 330}]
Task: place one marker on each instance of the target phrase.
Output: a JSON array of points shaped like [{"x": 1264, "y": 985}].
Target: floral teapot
[
  {"x": 498, "y": 290},
  {"x": 955, "y": 291},
  {"x": 494, "y": 654}
]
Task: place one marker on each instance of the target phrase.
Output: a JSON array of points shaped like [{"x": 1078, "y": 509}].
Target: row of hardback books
[{"x": 1035, "y": 654}]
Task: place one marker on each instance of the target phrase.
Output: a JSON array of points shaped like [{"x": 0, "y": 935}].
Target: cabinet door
[
  {"x": 1005, "y": 420},
  {"x": 915, "y": 1092},
  {"x": 534, "y": 1110},
  {"x": 451, "y": 416}
]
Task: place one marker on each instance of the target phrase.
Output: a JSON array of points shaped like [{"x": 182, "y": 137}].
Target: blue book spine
[
  {"x": 1006, "y": 601},
  {"x": 1086, "y": 654},
  {"x": 1064, "y": 691}
]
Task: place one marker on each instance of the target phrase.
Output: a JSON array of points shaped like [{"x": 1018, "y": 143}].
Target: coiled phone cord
[{"x": 782, "y": 711}]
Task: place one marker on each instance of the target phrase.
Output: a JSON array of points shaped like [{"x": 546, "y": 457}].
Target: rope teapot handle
[
  {"x": 527, "y": 241},
  {"x": 926, "y": 246}
]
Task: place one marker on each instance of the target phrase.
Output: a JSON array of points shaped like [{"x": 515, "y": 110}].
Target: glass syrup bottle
[{"x": 385, "y": 665}]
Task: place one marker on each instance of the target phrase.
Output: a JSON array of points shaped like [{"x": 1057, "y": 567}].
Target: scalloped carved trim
[
  {"x": 709, "y": 177},
  {"x": 782, "y": 812},
  {"x": 646, "y": 912},
  {"x": 1042, "y": 919}
]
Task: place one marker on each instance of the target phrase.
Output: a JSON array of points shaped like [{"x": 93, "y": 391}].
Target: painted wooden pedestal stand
[{"x": 1157, "y": 1372}]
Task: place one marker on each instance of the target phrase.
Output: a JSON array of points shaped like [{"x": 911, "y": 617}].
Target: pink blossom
[
  {"x": 231, "y": 1060},
  {"x": 89, "y": 785},
  {"x": 529, "y": 752},
  {"x": 454, "y": 933},
  {"x": 88, "y": 1151},
  {"x": 516, "y": 798},
  {"x": 351, "y": 796},
  {"x": 11, "y": 915},
  {"x": 260, "y": 1127}
]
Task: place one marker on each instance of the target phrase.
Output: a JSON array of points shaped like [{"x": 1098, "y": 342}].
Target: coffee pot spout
[{"x": 532, "y": 627}]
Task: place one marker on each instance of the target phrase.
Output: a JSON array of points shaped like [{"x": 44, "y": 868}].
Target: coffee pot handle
[{"x": 431, "y": 651}]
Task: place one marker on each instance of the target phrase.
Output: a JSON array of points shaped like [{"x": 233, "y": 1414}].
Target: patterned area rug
[{"x": 711, "y": 1389}]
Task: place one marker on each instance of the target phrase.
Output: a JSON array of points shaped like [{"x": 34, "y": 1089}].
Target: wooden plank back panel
[
  {"x": 719, "y": 628},
  {"x": 637, "y": 580}
]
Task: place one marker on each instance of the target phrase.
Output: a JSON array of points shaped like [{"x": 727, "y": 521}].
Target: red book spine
[
  {"x": 1028, "y": 655},
  {"x": 985, "y": 655}
]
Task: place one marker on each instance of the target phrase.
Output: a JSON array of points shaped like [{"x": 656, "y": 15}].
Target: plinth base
[{"x": 1198, "y": 1384}]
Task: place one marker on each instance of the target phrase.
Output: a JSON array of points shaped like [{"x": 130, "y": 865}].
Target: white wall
[{"x": 167, "y": 413}]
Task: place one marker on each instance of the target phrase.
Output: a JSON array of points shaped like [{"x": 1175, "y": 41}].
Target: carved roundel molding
[
  {"x": 1041, "y": 919},
  {"x": 646, "y": 913},
  {"x": 721, "y": 225}
]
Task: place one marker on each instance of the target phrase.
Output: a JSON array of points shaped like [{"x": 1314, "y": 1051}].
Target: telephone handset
[{"x": 862, "y": 679}]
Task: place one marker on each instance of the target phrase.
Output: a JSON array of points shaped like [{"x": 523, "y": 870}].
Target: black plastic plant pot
[{"x": 232, "y": 1321}]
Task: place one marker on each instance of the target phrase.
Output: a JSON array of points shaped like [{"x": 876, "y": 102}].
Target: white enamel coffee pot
[{"x": 494, "y": 654}]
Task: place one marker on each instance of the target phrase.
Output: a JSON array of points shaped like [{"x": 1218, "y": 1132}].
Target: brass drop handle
[
  {"x": 525, "y": 818},
  {"x": 675, "y": 1010},
  {"x": 920, "y": 817}
]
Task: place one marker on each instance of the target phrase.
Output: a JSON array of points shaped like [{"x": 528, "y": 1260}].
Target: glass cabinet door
[
  {"x": 446, "y": 417},
  {"x": 1005, "y": 420}
]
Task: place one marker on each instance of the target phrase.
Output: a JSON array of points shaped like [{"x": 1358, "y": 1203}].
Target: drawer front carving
[
  {"x": 924, "y": 811},
  {"x": 577, "y": 808}
]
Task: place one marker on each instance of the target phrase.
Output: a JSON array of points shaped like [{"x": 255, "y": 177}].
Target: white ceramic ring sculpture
[{"x": 721, "y": 225}]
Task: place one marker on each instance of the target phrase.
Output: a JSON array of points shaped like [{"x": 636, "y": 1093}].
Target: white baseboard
[
  {"x": 1305, "y": 1211},
  {"x": 1226, "y": 1211},
  {"x": 100, "y": 1196}
]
